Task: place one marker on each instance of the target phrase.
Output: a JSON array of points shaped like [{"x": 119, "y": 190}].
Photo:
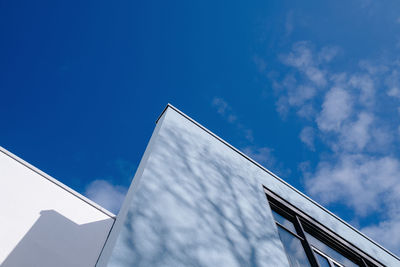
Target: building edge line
[{"x": 110, "y": 243}]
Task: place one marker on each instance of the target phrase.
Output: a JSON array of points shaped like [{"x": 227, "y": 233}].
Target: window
[{"x": 308, "y": 243}]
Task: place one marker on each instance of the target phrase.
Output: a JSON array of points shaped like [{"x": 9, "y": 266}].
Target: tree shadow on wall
[
  {"x": 195, "y": 206},
  {"x": 54, "y": 240}
]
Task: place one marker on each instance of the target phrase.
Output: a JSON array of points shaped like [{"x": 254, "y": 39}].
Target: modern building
[{"x": 194, "y": 201}]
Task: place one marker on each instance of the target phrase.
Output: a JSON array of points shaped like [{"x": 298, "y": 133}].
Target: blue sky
[{"x": 311, "y": 90}]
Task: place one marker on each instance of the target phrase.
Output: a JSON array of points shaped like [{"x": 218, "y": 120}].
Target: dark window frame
[{"x": 304, "y": 222}]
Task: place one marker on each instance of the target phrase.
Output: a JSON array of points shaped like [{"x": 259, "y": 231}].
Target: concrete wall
[
  {"x": 196, "y": 201},
  {"x": 43, "y": 222}
]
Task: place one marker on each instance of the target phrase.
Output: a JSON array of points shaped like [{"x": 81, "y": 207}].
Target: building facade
[{"x": 197, "y": 201}]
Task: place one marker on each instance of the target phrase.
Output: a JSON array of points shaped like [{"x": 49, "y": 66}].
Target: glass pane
[
  {"x": 285, "y": 222},
  {"x": 330, "y": 251},
  {"x": 294, "y": 249},
  {"x": 323, "y": 262}
]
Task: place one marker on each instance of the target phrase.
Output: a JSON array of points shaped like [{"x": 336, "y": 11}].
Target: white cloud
[
  {"x": 301, "y": 57},
  {"x": 373, "y": 68},
  {"x": 364, "y": 183},
  {"x": 336, "y": 108},
  {"x": 394, "y": 92},
  {"x": 316, "y": 75},
  {"x": 356, "y": 135},
  {"x": 106, "y": 195},
  {"x": 306, "y": 111},
  {"x": 366, "y": 86},
  {"x": 307, "y": 137},
  {"x": 392, "y": 81},
  {"x": 288, "y": 84},
  {"x": 225, "y": 110},
  {"x": 381, "y": 139},
  {"x": 282, "y": 106},
  {"x": 299, "y": 91},
  {"x": 368, "y": 185},
  {"x": 349, "y": 112},
  {"x": 386, "y": 232},
  {"x": 327, "y": 53},
  {"x": 300, "y": 95}
]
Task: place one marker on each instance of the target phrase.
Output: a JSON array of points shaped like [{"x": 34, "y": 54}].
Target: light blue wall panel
[{"x": 195, "y": 201}]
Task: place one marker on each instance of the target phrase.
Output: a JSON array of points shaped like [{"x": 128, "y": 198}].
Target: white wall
[
  {"x": 44, "y": 223},
  {"x": 196, "y": 201}
]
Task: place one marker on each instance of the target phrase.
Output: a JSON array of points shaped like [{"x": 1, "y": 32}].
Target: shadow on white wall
[{"x": 54, "y": 240}]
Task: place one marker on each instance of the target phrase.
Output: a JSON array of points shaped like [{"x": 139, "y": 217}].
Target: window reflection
[
  {"x": 283, "y": 221},
  {"x": 305, "y": 249},
  {"x": 330, "y": 252},
  {"x": 294, "y": 249},
  {"x": 322, "y": 261}
]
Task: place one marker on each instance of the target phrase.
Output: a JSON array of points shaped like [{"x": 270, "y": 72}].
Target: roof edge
[
  {"x": 56, "y": 182},
  {"x": 177, "y": 110},
  {"x": 277, "y": 177}
]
